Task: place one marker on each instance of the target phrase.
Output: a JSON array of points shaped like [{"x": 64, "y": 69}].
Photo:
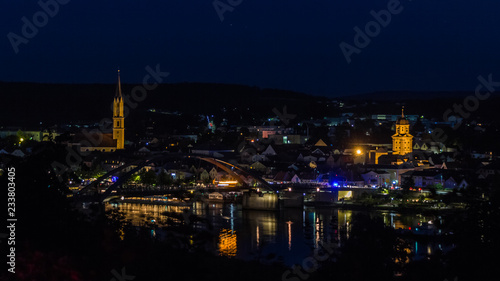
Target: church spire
[
  {"x": 118, "y": 117},
  {"x": 118, "y": 87},
  {"x": 403, "y": 112}
]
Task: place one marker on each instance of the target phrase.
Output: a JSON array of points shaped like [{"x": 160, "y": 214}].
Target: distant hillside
[
  {"x": 408, "y": 95},
  {"x": 26, "y": 104}
]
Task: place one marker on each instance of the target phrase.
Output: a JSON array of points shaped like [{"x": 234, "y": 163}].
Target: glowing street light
[{"x": 358, "y": 152}]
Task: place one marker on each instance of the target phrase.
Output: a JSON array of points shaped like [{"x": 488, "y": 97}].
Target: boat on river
[
  {"x": 155, "y": 200},
  {"x": 215, "y": 197}
]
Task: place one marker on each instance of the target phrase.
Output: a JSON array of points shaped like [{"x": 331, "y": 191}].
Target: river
[{"x": 290, "y": 234}]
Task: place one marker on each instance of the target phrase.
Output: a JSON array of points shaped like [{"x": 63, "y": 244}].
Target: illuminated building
[
  {"x": 106, "y": 142},
  {"x": 402, "y": 140},
  {"x": 118, "y": 118}
]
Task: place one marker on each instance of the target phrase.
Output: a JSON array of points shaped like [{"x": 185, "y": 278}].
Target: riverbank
[{"x": 407, "y": 208}]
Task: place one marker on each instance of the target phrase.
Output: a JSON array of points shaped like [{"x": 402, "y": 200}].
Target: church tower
[
  {"x": 118, "y": 118},
  {"x": 402, "y": 140}
]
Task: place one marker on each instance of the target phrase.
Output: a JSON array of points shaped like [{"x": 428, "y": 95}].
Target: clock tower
[{"x": 402, "y": 140}]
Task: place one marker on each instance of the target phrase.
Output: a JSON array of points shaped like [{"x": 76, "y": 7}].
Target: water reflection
[
  {"x": 406, "y": 221},
  {"x": 262, "y": 227},
  {"x": 139, "y": 214},
  {"x": 227, "y": 243},
  {"x": 291, "y": 234}
]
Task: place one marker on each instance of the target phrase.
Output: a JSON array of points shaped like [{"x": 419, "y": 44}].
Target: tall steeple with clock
[
  {"x": 118, "y": 117},
  {"x": 402, "y": 140}
]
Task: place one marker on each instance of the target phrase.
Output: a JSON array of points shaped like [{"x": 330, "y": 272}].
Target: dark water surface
[{"x": 290, "y": 234}]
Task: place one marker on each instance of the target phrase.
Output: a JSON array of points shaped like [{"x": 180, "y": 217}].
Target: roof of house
[
  {"x": 284, "y": 176},
  {"x": 320, "y": 143},
  {"x": 378, "y": 172}
]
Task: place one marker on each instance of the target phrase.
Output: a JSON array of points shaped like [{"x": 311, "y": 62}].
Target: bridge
[{"x": 234, "y": 170}]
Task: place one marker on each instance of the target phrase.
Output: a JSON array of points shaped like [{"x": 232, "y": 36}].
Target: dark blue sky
[{"x": 430, "y": 45}]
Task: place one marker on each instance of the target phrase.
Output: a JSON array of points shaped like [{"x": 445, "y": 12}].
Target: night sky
[{"x": 293, "y": 45}]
